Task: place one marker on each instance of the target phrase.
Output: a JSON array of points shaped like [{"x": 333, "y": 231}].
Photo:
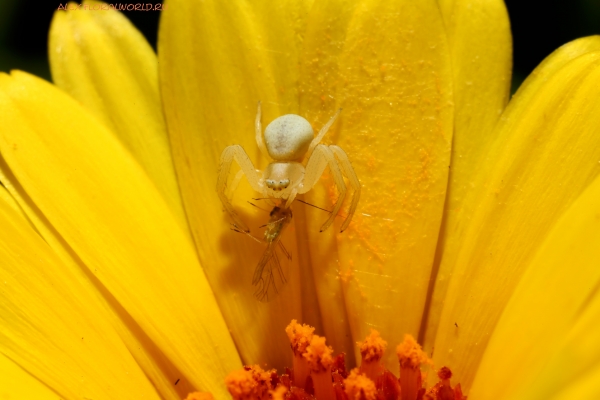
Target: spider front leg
[
  {"x": 237, "y": 153},
  {"x": 320, "y": 158},
  {"x": 347, "y": 169}
]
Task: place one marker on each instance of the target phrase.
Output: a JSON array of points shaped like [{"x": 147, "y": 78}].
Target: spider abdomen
[{"x": 287, "y": 138}]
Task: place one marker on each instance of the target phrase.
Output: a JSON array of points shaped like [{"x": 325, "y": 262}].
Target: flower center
[{"x": 317, "y": 375}]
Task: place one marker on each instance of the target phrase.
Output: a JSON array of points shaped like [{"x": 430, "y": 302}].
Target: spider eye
[{"x": 277, "y": 185}]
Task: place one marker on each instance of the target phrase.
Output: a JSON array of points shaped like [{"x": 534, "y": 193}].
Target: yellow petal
[
  {"x": 18, "y": 384},
  {"x": 323, "y": 43},
  {"x": 588, "y": 386},
  {"x": 545, "y": 154},
  {"x": 5, "y": 195},
  {"x": 100, "y": 59},
  {"x": 56, "y": 331},
  {"x": 102, "y": 204},
  {"x": 217, "y": 59},
  {"x": 391, "y": 74},
  {"x": 156, "y": 366},
  {"x": 481, "y": 52},
  {"x": 548, "y": 337}
]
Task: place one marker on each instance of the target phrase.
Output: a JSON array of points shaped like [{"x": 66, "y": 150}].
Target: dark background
[{"x": 538, "y": 27}]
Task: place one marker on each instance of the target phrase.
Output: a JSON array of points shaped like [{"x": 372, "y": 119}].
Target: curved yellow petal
[
  {"x": 5, "y": 195},
  {"x": 323, "y": 43},
  {"x": 217, "y": 59},
  {"x": 52, "y": 323},
  {"x": 481, "y": 53},
  {"x": 588, "y": 386},
  {"x": 103, "y": 205},
  {"x": 387, "y": 65},
  {"x": 548, "y": 337},
  {"x": 159, "y": 370},
  {"x": 99, "y": 58},
  {"x": 546, "y": 153},
  {"x": 17, "y": 384}
]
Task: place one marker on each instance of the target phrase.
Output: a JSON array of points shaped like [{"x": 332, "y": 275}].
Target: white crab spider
[{"x": 289, "y": 140}]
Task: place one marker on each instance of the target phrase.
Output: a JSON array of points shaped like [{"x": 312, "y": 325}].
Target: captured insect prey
[
  {"x": 288, "y": 142},
  {"x": 272, "y": 270}
]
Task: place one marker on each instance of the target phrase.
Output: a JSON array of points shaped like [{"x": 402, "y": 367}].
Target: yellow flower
[{"x": 477, "y": 229}]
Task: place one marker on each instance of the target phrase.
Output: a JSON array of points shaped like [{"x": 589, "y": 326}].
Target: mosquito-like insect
[{"x": 270, "y": 276}]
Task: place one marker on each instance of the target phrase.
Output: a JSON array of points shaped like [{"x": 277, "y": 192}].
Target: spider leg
[
  {"x": 322, "y": 133},
  {"x": 347, "y": 169},
  {"x": 234, "y": 184},
  {"x": 258, "y": 131},
  {"x": 237, "y": 153},
  {"x": 322, "y": 157}
]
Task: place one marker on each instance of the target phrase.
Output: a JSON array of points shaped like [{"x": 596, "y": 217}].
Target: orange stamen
[
  {"x": 199, "y": 396},
  {"x": 241, "y": 385},
  {"x": 359, "y": 387},
  {"x": 278, "y": 394},
  {"x": 371, "y": 351},
  {"x": 252, "y": 383},
  {"x": 443, "y": 390},
  {"x": 326, "y": 377},
  {"x": 261, "y": 376},
  {"x": 319, "y": 358},
  {"x": 458, "y": 394},
  {"x": 300, "y": 337},
  {"x": 446, "y": 392},
  {"x": 388, "y": 385},
  {"x": 445, "y": 374},
  {"x": 411, "y": 357}
]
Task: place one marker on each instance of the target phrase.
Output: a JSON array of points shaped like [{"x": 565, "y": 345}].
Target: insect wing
[{"x": 271, "y": 273}]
